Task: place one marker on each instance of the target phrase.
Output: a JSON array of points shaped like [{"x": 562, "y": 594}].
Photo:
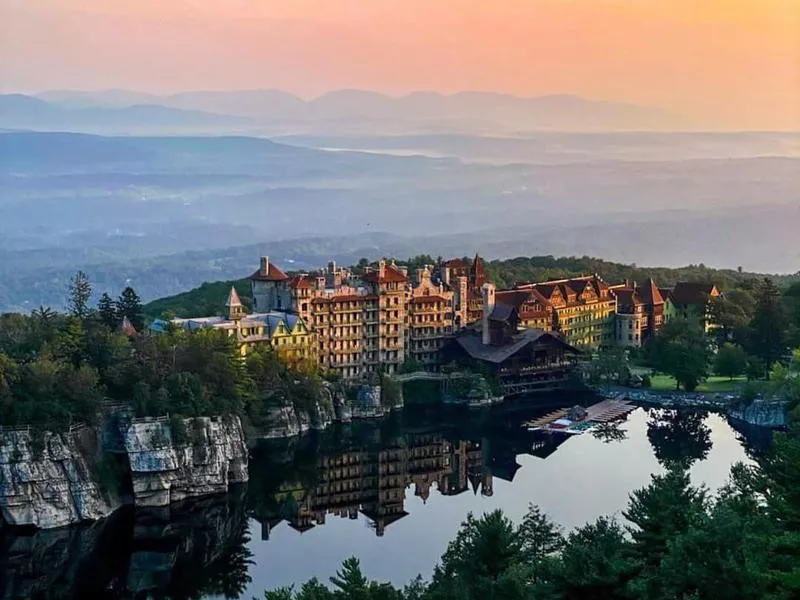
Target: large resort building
[{"x": 380, "y": 318}]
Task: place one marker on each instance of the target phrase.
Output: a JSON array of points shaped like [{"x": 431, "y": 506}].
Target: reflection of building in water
[{"x": 373, "y": 482}]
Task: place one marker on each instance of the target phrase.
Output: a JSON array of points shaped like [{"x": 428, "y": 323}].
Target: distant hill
[
  {"x": 18, "y": 111},
  {"x": 492, "y": 110}
]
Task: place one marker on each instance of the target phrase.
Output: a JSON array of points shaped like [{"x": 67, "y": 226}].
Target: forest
[{"x": 59, "y": 369}]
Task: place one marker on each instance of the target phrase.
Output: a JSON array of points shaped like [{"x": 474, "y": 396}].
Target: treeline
[
  {"x": 59, "y": 368},
  {"x": 677, "y": 542}
]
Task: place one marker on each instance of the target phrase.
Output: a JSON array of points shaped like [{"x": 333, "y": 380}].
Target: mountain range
[{"x": 278, "y": 111}]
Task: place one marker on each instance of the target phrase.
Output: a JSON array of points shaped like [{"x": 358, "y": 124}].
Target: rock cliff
[
  {"x": 763, "y": 413},
  {"x": 165, "y": 469},
  {"x": 49, "y": 480}
]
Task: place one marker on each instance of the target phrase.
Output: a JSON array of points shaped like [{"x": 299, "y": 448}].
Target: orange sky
[{"x": 728, "y": 62}]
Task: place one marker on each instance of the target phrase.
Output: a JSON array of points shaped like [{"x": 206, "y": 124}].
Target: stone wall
[
  {"x": 162, "y": 471},
  {"x": 48, "y": 481}
]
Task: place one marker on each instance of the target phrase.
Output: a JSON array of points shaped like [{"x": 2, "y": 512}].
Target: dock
[{"x": 577, "y": 420}]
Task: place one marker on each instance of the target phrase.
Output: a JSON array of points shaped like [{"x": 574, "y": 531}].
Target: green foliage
[
  {"x": 129, "y": 305},
  {"x": 609, "y": 367},
  {"x": 681, "y": 349},
  {"x": 731, "y": 361},
  {"x": 768, "y": 333},
  {"x": 391, "y": 391},
  {"x": 80, "y": 291},
  {"x": 208, "y": 300}
]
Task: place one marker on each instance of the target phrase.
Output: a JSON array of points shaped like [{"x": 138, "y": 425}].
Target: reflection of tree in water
[
  {"x": 679, "y": 437},
  {"x": 755, "y": 440},
  {"x": 609, "y": 432}
]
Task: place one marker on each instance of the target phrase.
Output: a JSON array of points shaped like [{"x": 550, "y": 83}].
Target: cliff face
[
  {"x": 165, "y": 471},
  {"x": 763, "y": 413},
  {"x": 48, "y": 482}
]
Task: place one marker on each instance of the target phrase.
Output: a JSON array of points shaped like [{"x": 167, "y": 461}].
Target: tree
[
  {"x": 541, "y": 540},
  {"x": 768, "y": 327},
  {"x": 755, "y": 368},
  {"x": 107, "y": 311},
  {"x": 731, "y": 361},
  {"x": 668, "y": 506},
  {"x": 728, "y": 316},
  {"x": 596, "y": 563},
  {"x": 129, "y": 305},
  {"x": 681, "y": 349},
  {"x": 483, "y": 561},
  {"x": 80, "y": 292}
]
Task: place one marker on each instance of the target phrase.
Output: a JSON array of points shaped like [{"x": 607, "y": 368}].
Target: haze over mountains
[
  {"x": 274, "y": 111},
  {"x": 167, "y": 213}
]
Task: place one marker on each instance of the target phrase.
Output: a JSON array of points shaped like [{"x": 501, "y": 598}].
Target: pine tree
[
  {"x": 768, "y": 326},
  {"x": 80, "y": 291},
  {"x": 130, "y": 305},
  {"x": 107, "y": 311}
]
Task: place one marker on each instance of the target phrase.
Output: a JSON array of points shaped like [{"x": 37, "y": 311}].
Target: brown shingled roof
[
  {"x": 691, "y": 292},
  {"x": 299, "y": 282},
  {"x": 649, "y": 293},
  {"x": 390, "y": 274},
  {"x": 274, "y": 274}
]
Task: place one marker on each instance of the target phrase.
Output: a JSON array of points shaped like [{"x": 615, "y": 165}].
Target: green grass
[{"x": 712, "y": 384}]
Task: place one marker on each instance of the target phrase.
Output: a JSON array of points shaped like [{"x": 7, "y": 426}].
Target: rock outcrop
[
  {"x": 47, "y": 480},
  {"x": 165, "y": 469},
  {"x": 763, "y": 413}
]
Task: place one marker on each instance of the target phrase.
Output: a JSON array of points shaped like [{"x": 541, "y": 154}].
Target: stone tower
[{"x": 488, "y": 290}]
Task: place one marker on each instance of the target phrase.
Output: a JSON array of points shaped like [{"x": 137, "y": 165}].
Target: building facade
[
  {"x": 640, "y": 314},
  {"x": 581, "y": 310},
  {"x": 284, "y": 332}
]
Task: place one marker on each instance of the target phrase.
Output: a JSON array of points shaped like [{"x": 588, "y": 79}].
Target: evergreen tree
[
  {"x": 768, "y": 328},
  {"x": 80, "y": 292},
  {"x": 129, "y": 305},
  {"x": 107, "y": 311}
]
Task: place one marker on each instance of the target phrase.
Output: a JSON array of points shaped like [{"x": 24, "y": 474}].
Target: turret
[{"x": 234, "y": 309}]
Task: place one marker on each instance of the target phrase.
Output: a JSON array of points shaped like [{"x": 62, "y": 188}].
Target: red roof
[
  {"x": 299, "y": 282},
  {"x": 391, "y": 274},
  {"x": 457, "y": 263},
  {"x": 649, "y": 293},
  {"x": 273, "y": 274},
  {"x": 690, "y": 292}
]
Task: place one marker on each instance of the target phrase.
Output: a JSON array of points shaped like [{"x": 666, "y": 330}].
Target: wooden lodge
[{"x": 523, "y": 360}]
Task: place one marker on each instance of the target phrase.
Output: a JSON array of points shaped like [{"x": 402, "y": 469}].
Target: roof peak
[{"x": 233, "y": 298}]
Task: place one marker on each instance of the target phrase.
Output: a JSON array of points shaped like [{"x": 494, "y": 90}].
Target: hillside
[{"x": 208, "y": 299}]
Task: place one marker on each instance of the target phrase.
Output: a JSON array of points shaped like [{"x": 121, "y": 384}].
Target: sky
[{"x": 732, "y": 63}]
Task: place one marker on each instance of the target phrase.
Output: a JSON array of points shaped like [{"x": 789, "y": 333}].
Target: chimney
[
  {"x": 404, "y": 270},
  {"x": 264, "y": 266},
  {"x": 446, "y": 275},
  {"x": 381, "y": 269},
  {"x": 488, "y": 290}
]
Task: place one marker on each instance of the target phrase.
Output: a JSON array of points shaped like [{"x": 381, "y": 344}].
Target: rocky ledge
[
  {"x": 763, "y": 413},
  {"x": 47, "y": 480},
  {"x": 165, "y": 469}
]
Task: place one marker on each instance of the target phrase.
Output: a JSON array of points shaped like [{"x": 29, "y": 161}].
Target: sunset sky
[{"x": 734, "y": 63}]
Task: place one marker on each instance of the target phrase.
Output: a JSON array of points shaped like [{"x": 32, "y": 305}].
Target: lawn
[{"x": 712, "y": 384}]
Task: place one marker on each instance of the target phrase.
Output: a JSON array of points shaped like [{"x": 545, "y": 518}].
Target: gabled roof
[
  {"x": 457, "y": 263},
  {"x": 391, "y": 274},
  {"x": 273, "y": 274},
  {"x": 691, "y": 292},
  {"x": 299, "y": 282},
  {"x": 627, "y": 296},
  {"x": 471, "y": 341},
  {"x": 502, "y": 312},
  {"x": 649, "y": 292}
]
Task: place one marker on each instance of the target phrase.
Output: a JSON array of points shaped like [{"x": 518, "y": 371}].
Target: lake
[{"x": 391, "y": 493}]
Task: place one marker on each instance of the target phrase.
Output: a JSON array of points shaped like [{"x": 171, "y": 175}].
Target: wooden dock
[{"x": 602, "y": 412}]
